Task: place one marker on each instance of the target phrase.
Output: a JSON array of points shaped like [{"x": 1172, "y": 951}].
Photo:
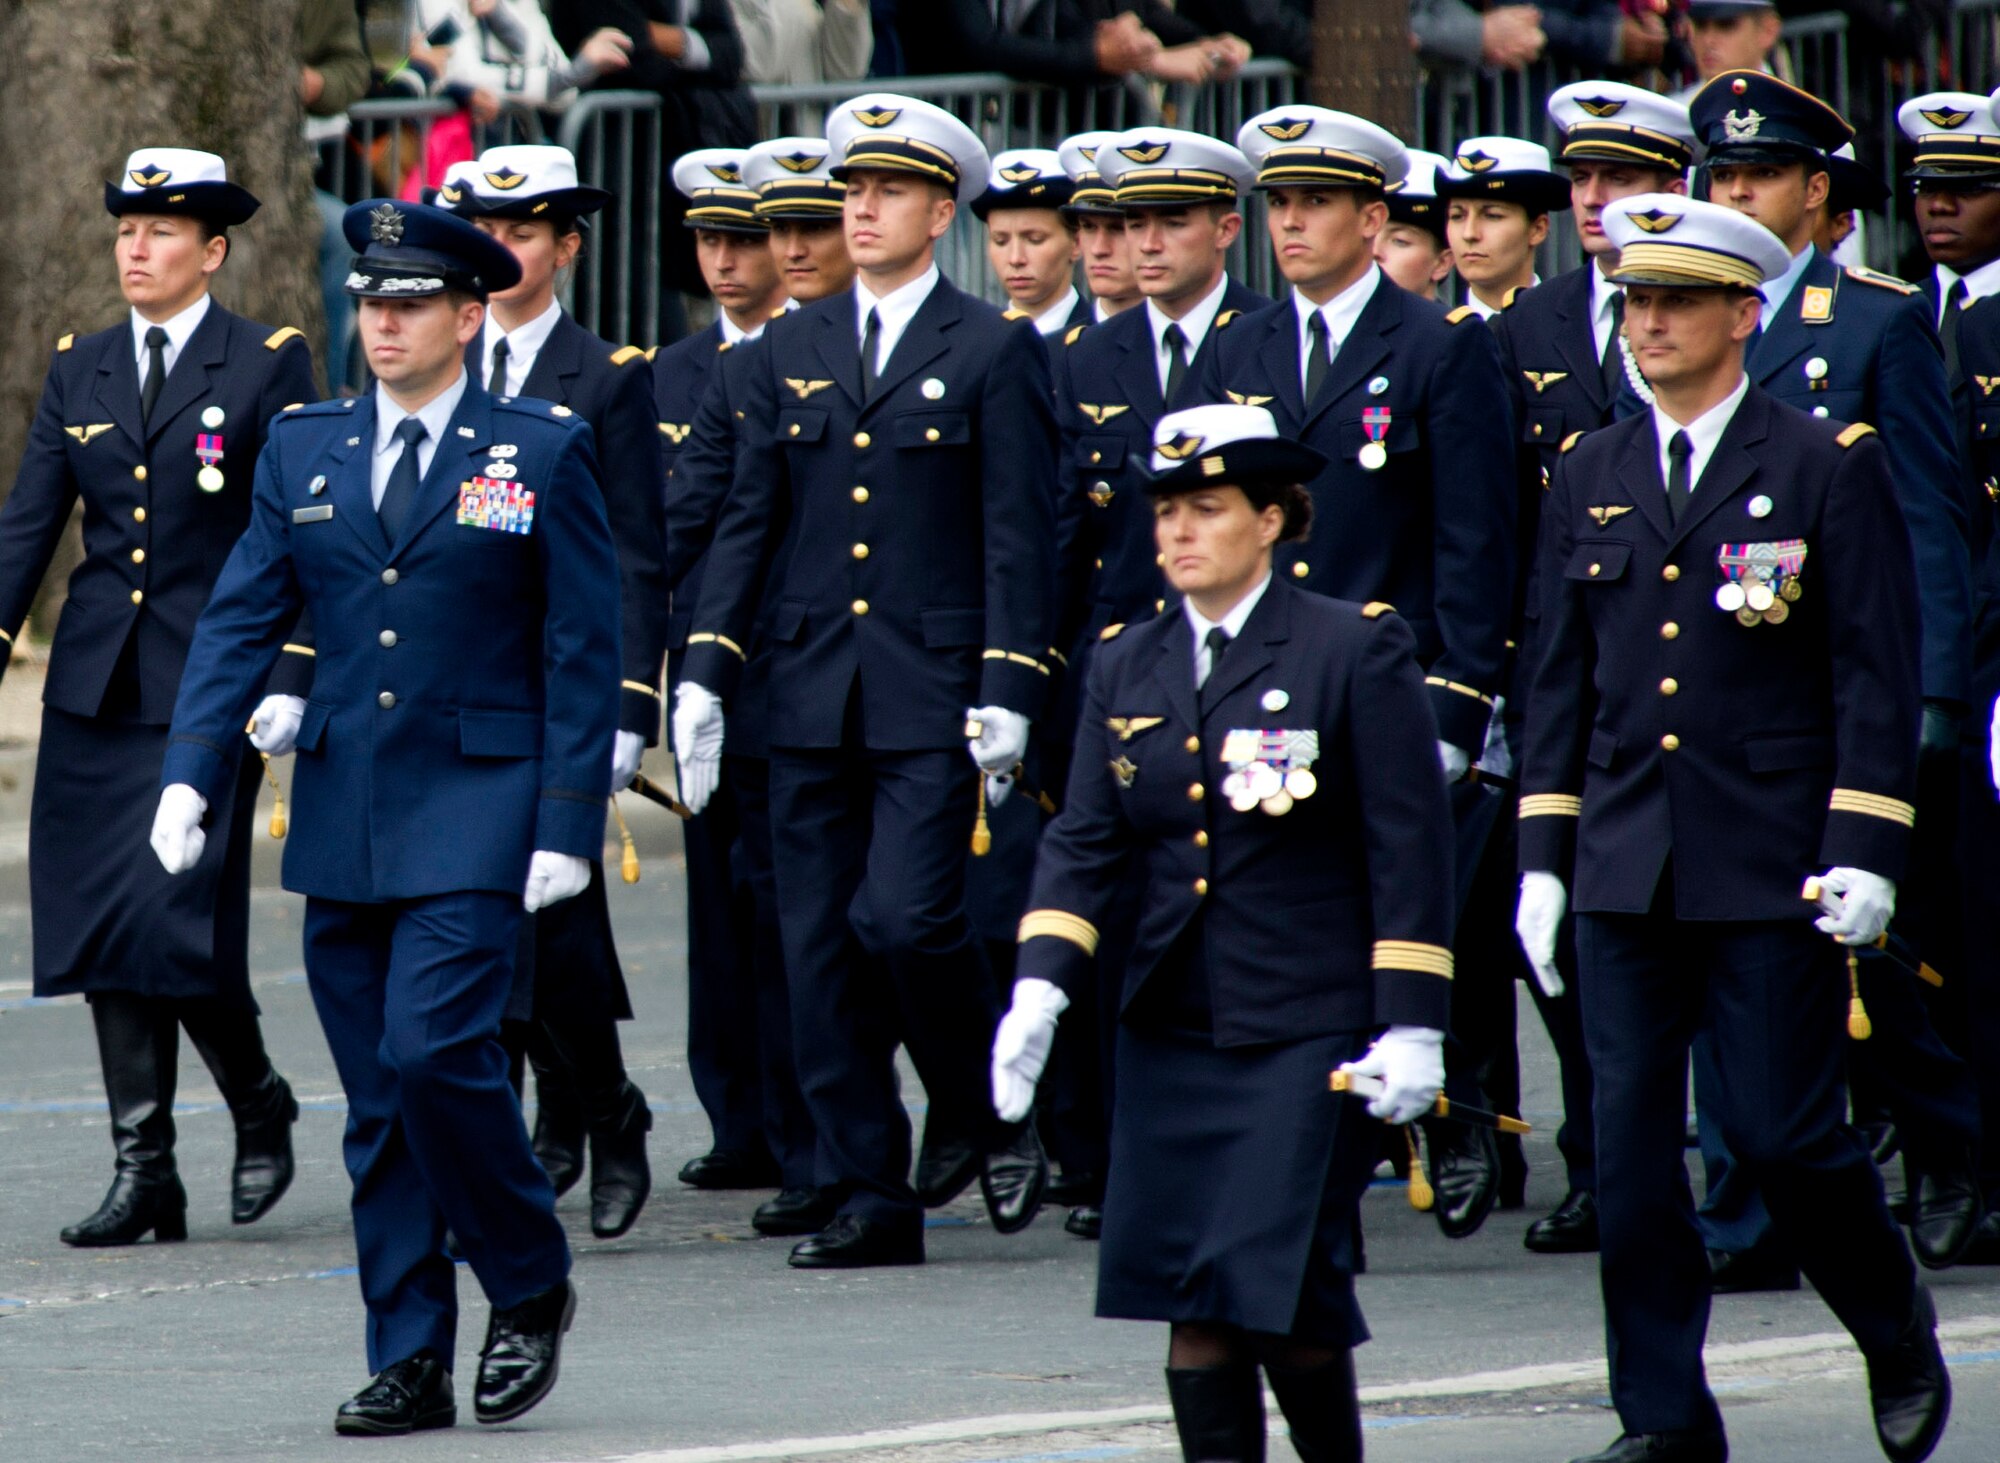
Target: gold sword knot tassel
[
  {"x": 628, "y": 862},
  {"x": 1421, "y": 1195}
]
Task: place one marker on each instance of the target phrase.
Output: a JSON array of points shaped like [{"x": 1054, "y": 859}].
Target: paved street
[{"x": 695, "y": 1342}]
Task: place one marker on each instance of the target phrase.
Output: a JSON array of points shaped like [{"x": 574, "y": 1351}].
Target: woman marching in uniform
[
  {"x": 155, "y": 424},
  {"x": 1267, "y": 757}
]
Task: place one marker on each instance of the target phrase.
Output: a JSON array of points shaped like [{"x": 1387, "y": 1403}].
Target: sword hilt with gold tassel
[
  {"x": 628, "y": 862},
  {"x": 1422, "y": 1196},
  {"x": 278, "y": 821}
]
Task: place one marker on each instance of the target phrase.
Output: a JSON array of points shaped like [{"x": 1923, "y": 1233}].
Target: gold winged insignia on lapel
[
  {"x": 1543, "y": 380},
  {"x": 676, "y": 432},
  {"x": 89, "y": 434},
  {"x": 806, "y": 388},
  {"x": 1241, "y": 400},
  {"x": 1986, "y": 385},
  {"x": 1129, "y": 727},
  {"x": 1606, "y": 514},
  {"x": 1102, "y": 414}
]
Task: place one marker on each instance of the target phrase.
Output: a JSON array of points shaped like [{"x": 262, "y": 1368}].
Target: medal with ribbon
[
  {"x": 1269, "y": 769},
  {"x": 1760, "y": 581},
  {"x": 208, "y": 447},
  {"x": 1375, "y": 422},
  {"x": 497, "y": 505}
]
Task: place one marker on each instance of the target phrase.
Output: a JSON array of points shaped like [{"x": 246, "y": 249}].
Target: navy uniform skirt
[
  {"x": 1235, "y": 1186},
  {"x": 107, "y": 917}
]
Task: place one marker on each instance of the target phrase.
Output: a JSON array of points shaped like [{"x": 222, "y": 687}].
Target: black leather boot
[
  {"x": 620, "y": 1177},
  {"x": 1322, "y": 1408},
  {"x": 138, "y": 1044},
  {"x": 231, "y": 1044},
  {"x": 1464, "y": 1174},
  {"x": 1218, "y": 1412},
  {"x": 559, "y": 1125}
]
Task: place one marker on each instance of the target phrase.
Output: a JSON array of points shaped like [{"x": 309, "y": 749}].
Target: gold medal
[
  {"x": 1748, "y": 616},
  {"x": 1373, "y": 457},
  {"x": 1778, "y": 613},
  {"x": 1278, "y": 804},
  {"x": 1759, "y": 597},
  {"x": 1243, "y": 801},
  {"x": 1301, "y": 783},
  {"x": 209, "y": 479},
  {"x": 1791, "y": 589}
]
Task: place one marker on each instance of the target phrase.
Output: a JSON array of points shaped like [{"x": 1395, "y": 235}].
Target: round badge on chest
[
  {"x": 212, "y": 416},
  {"x": 933, "y": 389},
  {"x": 1760, "y": 506},
  {"x": 1274, "y": 700},
  {"x": 1816, "y": 369}
]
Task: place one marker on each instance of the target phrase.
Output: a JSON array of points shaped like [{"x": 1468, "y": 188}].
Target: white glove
[
  {"x": 697, "y": 743},
  {"x": 1410, "y": 1062},
  {"x": 999, "y": 787},
  {"x": 1003, "y": 737},
  {"x": 274, "y": 729},
  {"x": 554, "y": 877},
  {"x": 627, "y": 750},
  {"x": 1021, "y": 1046},
  {"x": 1993, "y": 747},
  {"x": 1457, "y": 761},
  {"x": 1857, "y": 904},
  {"x": 177, "y": 836},
  {"x": 1536, "y": 919}
]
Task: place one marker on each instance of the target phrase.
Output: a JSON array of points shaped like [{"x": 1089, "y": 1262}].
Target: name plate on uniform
[
  {"x": 319, "y": 514},
  {"x": 502, "y": 507}
]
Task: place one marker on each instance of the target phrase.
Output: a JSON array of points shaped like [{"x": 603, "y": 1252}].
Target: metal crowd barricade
[{"x": 617, "y": 139}]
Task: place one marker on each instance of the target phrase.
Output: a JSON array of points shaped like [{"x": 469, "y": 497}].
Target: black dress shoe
[
  {"x": 132, "y": 1209},
  {"x": 854, "y": 1243},
  {"x": 1910, "y": 1388},
  {"x": 1086, "y": 1221},
  {"x": 1947, "y": 1211},
  {"x": 523, "y": 1351},
  {"x": 409, "y": 1396},
  {"x": 1738, "y": 1272},
  {"x": 1013, "y": 1181},
  {"x": 794, "y": 1211},
  {"x": 1464, "y": 1174},
  {"x": 1985, "y": 1246},
  {"x": 1569, "y": 1229},
  {"x": 1681, "y": 1447},
  {"x": 719, "y": 1170},
  {"x": 1067, "y": 1189},
  {"x": 264, "y": 1166},
  {"x": 620, "y": 1177},
  {"x": 945, "y": 1169}
]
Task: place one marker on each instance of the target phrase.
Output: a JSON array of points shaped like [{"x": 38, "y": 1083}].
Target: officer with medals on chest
[
  {"x": 444, "y": 782},
  {"x": 1415, "y": 505},
  {"x": 910, "y": 626},
  {"x": 1261, "y": 759},
  {"x": 732, "y": 247},
  {"x": 1857, "y": 346},
  {"x": 1726, "y": 706},
  {"x": 154, "y": 425},
  {"x": 797, "y": 204}
]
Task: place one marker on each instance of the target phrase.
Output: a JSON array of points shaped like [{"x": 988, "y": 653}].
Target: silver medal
[
  {"x": 1373, "y": 457},
  {"x": 1729, "y": 597}
]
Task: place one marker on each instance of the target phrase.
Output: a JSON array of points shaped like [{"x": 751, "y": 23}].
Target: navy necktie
[
  {"x": 1680, "y": 489},
  {"x": 156, "y": 371},
  {"x": 401, "y": 491},
  {"x": 1217, "y": 642}
]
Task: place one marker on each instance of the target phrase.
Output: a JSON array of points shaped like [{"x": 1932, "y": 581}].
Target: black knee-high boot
[
  {"x": 231, "y": 1044},
  {"x": 138, "y": 1044},
  {"x": 1323, "y": 1409},
  {"x": 1218, "y": 1412},
  {"x": 614, "y": 1109},
  {"x": 559, "y": 1125}
]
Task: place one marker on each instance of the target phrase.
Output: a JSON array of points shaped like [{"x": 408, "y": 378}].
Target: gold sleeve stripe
[
  {"x": 1552, "y": 805},
  {"x": 1874, "y": 805},
  {"x": 641, "y": 687},
  {"x": 705, "y": 638},
  {"x": 1079, "y": 932},
  {"x": 1017, "y": 658},
  {"x": 1455, "y": 686},
  {"x": 301, "y": 650},
  {"x": 1413, "y": 955},
  {"x": 1058, "y": 657}
]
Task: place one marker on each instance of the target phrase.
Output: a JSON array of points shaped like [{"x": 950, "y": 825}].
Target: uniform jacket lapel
[
  {"x": 1135, "y": 372},
  {"x": 1366, "y": 347},
  {"x": 838, "y": 343},
  {"x": 1642, "y": 470},
  {"x": 923, "y": 341},
  {"x": 1789, "y": 337},
  {"x": 557, "y": 364},
  {"x": 1251, "y": 655},
  {"x": 1174, "y": 668},
  {"x": 457, "y": 458},
  {"x": 206, "y": 351},
  {"x": 118, "y": 386},
  {"x": 350, "y": 483},
  {"x": 1279, "y": 353},
  {"x": 1731, "y": 466},
  {"x": 1576, "y": 342}
]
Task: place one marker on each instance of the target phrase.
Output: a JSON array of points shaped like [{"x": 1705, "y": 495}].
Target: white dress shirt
[
  {"x": 178, "y": 329},
  {"x": 1980, "y": 283},
  {"x": 1231, "y": 623},
  {"x": 893, "y": 312},
  {"x": 1777, "y": 291},
  {"x": 1099, "y": 311},
  {"x": 734, "y": 334},
  {"x": 1703, "y": 432},
  {"x": 1055, "y": 319},
  {"x": 1485, "y": 311},
  {"x": 435, "y": 414},
  {"x": 1340, "y": 313},
  {"x": 1194, "y": 325},
  {"x": 1601, "y": 291},
  {"x": 524, "y": 343}
]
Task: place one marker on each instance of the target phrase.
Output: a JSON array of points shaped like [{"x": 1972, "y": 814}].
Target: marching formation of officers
[{"x": 1137, "y": 705}]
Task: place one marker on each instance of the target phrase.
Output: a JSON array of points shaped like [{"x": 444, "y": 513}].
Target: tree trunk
[
  {"x": 85, "y": 82},
  {"x": 1363, "y": 63}
]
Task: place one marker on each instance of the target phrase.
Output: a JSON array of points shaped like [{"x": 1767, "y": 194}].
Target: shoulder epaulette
[
  {"x": 1015, "y": 312},
  {"x": 1850, "y": 435},
  {"x": 1571, "y": 440},
  {"x": 1880, "y": 280},
  {"x": 291, "y": 406},
  {"x": 64, "y": 342},
  {"x": 278, "y": 337},
  {"x": 1461, "y": 314},
  {"x": 625, "y": 355},
  {"x": 1070, "y": 335},
  {"x": 652, "y": 351},
  {"x": 1226, "y": 318},
  {"x": 1507, "y": 300},
  {"x": 1375, "y": 609},
  {"x": 299, "y": 410},
  {"x": 1111, "y": 632}
]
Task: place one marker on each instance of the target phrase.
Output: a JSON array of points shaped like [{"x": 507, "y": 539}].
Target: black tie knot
[
  {"x": 156, "y": 370},
  {"x": 156, "y": 338},
  {"x": 1218, "y": 641},
  {"x": 1176, "y": 341},
  {"x": 410, "y": 431},
  {"x": 1679, "y": 447}
]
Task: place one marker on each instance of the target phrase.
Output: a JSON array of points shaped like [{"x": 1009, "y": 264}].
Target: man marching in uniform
[
  {"x": 444, "y": 782},
  {"x": 1108, "y": 275},
  {"x": 1728, "y": 670},
  {"x": 155, "y": 425},
  {"x": 911, "y": 626}
]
